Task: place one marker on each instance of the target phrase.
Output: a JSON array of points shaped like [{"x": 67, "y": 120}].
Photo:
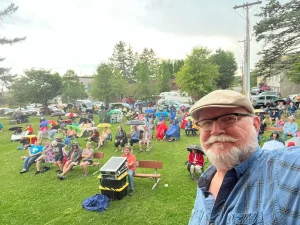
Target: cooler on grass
[{"x": 113, "y": 178}]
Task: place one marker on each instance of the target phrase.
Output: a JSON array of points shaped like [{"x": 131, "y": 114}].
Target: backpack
[{"x": 97, "y": 203}]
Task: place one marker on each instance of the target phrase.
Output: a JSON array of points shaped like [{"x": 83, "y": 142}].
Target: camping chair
[{"x": 97, "y": 155}]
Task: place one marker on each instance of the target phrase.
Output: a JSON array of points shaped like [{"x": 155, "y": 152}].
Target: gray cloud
[{"x": 193, "y": 17}]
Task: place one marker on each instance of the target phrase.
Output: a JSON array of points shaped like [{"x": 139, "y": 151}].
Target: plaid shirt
[{"x": 267, "y": 191}]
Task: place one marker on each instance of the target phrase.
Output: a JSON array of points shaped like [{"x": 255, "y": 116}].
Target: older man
[
  {"x": 290, "y": 128},
  {"x": 244, "y": 185}
]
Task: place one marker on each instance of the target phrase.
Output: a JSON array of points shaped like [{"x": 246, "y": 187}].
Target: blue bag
[{"x": 97, "y": 203}]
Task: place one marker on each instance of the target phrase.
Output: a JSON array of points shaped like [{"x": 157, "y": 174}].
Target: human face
[
  {"x": 227, "y": 147},
  {"x": 291, "y": 120},
  {"x": 126, "y": 151}
]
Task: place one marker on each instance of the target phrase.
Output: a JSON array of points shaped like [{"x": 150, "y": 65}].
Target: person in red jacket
[
  {"x": 195, "y": 162},
  {"x": 29, "y": 129}
]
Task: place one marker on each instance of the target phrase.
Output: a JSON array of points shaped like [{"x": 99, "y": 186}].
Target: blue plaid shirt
[{"x": 267, "y": 191}]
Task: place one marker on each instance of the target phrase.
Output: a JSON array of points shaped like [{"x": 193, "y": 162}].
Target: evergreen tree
[
  {"x": 5, "y": 77},
  {"x": 279, "y": 30}
]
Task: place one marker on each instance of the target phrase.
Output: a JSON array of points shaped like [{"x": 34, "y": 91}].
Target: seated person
[
  {"x": 290, "y": 128},
  {"x": 18, "y": 131},
  {"x": 87, "y": 158},
  {"x": 131, "y": 161},
  {"x": 173, "y": 132},
  {"x": 58, "y": 149},
  {"x": 34, "y": 152},
  {"x": 292, "y": 109},
  {"x": 161, "y": 129},
  {"x": 94, "y": 136},
  {"x": 281, "y": 108},
  {"x": 73, "y": 157},
  {"x": 71, "y": 133},
  {"x": 43, "y": 131},
  {"x": 29, "y": 129},
  {"x": 261, "y": 131},
  {"x": 59, "y": 136},
  {"x": 146, "y": 140},
  {"x": 275, "y": 137},
  {"x": 47, "y": 155},
  {"x": 1, "y": 127},
  {"x": 280, "y": 122},
  {"x": 104, "y": 136},
  {"x": 121, "y": 138},
  {"x": 195, "y": 128},
  {"x": 195, "y": 162},
  {"x": 134, "y": 136},
  {"x": 273, "y": 115},
  {"x": 188, "y": 127}
]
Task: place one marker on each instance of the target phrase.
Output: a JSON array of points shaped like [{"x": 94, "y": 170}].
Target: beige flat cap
[{"x": 222, "y": 99}]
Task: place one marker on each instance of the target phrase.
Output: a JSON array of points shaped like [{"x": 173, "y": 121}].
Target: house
[{"x": 281, "y": 84}]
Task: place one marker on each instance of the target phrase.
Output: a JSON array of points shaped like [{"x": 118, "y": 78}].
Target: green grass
[{"x": 43, "y": 199}]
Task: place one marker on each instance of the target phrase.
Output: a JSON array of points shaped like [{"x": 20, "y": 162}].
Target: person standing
[{"x": 131, "y": 161}]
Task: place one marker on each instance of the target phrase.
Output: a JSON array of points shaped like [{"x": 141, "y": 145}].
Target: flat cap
[{"x": 222, "y": 99}]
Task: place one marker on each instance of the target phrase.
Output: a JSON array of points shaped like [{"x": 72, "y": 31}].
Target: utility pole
[
  {"x": 247, "y": 6},
  {"x": 243, "y": 68}
]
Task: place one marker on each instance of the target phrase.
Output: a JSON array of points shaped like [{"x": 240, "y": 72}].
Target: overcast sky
[{"x": 79, "y": 34}]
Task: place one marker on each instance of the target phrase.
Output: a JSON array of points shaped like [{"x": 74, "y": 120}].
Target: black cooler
[{"x": 113, "y": 178}]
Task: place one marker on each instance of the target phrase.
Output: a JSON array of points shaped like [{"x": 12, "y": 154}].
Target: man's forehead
[{"x": 212, "y": 112}]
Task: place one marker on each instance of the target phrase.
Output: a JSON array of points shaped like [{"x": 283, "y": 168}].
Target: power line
[{"x": 247, "y": 6}]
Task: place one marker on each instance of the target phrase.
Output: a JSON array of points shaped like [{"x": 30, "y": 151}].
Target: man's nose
[{"x": 216, "y": 128}]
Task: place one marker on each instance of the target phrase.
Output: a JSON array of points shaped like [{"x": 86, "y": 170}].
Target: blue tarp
[{"x": 97, "y": 203}]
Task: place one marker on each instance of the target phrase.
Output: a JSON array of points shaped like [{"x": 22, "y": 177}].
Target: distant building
[
  {"x": 87, "y": 82},
  {"x": 281, "y": 84}
]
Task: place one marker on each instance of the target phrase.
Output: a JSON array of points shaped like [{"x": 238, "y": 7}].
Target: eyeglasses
[{"x": 225, "y": 121}]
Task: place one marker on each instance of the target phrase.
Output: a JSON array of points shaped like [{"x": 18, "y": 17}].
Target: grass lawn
[{"x": 43, "y": 199}]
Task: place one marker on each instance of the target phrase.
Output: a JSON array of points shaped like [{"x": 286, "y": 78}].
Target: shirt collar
[{"x": 240, "y": 169}]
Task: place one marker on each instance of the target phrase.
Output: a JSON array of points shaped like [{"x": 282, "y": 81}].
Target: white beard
[{"x": 226, "y": 159}]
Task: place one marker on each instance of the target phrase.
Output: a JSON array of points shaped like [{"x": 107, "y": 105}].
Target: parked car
[
  {"x": 49, "y": 110},
  {"x": 141, "y": 104},
  {"x": 119, "y": 105},
  {"x": 6, "y": 111},
  {"x": 270, "y": 93},
  {"x": 261, "y": 100},
  {"x": 168, "y": 103}
]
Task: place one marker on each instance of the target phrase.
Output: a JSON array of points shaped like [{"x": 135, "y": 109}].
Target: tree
[
  {"x": 164, "y": 74},
  {"x": 72, "y": 89},
  {"x": 146, "y": 72},
  {"x": 253, "y": 78},
  {"x": 123, "y": 59},
  {"x": 5, "y": 77},
  {"x": 37, "y": 86},
  {"x": 227, "y": 67},
  {"x": 198, "y": 76},
  {"x": 108, "y": 83},
  {"x": 178, "y": 63},
  {"x": 279, "y": 30}
]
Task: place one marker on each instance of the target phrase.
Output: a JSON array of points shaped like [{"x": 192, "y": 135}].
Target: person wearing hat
[
  {"x": 195, "y": 162},
  {"x": 290, "y": 128},
  {"x": 245, "y": 184},
  {"x": 275, "y": 137},
  {"x": 73, "y": 157}
]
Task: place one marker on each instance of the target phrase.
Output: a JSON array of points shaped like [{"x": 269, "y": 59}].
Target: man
[
  {"x": 131, "y": 160},
  {"x": 34, "y": 152},
  {"x": 244, "y": 185}
]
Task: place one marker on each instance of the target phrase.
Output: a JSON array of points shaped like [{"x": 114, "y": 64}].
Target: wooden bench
[
  {"x": 152, "y": 165},
  {"x": 280, "y": 129},
  {"x": 97, "y": 155}
]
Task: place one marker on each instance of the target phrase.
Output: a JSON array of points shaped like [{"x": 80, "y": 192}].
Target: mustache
[{"x": 219, "y": 138}]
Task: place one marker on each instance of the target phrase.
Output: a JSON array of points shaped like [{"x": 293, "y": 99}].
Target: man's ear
[{"x": 256, "y": 123}]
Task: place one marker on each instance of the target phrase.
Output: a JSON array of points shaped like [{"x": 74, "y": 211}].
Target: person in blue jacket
[
  {"x": 34, "y": 152},
  {"x": 245, "y": 184}
]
